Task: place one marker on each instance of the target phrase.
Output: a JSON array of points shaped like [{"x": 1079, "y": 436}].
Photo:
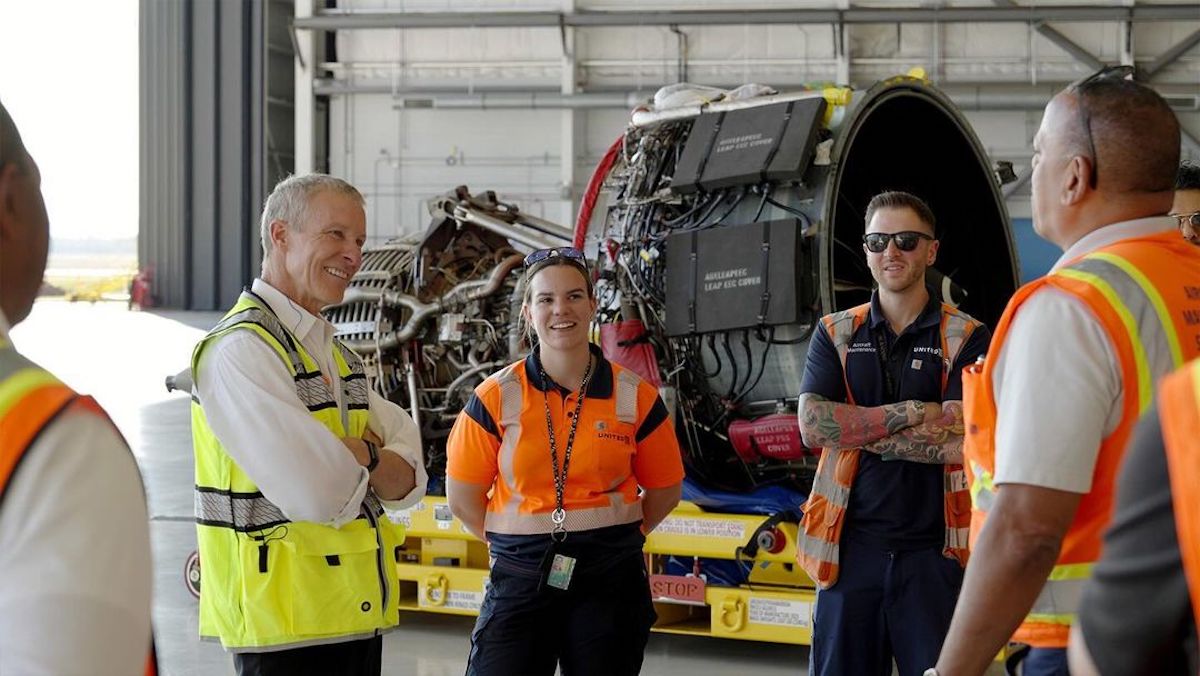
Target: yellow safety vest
[{"x": 271, "y": 583}]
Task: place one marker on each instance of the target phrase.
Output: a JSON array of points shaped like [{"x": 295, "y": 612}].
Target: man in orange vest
[
  {"x": 75, "y": 572},
  {"x": 1136, "y": 616},
  {"x": 1071, "y": 367},
  {"x": 885, "y": 526}
]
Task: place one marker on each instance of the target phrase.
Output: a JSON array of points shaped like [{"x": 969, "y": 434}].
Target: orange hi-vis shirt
[
  {"x": 1179, "y": 411},
  {"x": 1145, "y": 294},
  {"x": 624, "y": 439}
]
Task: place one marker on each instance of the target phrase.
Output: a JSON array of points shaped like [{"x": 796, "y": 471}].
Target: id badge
[{"x": 560, "y": 572}]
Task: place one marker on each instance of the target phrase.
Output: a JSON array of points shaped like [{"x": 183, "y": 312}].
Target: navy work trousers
[
  {"x": 886, "y": 605},
  {"x": 1041, "y": 662},
  {"x": 599, "y": 626},
  {"x": 352, "y": 658}
]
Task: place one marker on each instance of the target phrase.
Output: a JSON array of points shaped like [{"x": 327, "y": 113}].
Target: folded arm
[
  {"x": 937, "y": 442},
  {"x": 250, "y": 402},
  {"x": 828, "y": 424},
  {"x": 401, "y": 478}
]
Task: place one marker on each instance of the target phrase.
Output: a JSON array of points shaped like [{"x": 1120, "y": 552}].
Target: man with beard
[{"x": 884, "y": 532}]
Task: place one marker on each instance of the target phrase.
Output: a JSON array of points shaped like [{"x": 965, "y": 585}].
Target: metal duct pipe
[
  {"x": 342, "y": 20},
  {"x": 548, "y": 227},
  {"x": 498, "y": 100},
  {"x": 486, "y": 287},
  {"x": 968, "y": 97},
  {"x": 421, "y": 312},
  {"x": 531, "y": 238}
]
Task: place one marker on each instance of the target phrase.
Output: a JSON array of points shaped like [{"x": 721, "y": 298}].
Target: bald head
[
  {"x": 24, "y": 229},
  {"x": 11, "y": 148},
  {"x": 1134, "y": 131}
]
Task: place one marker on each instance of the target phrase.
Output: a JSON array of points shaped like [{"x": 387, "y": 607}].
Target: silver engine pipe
[
  {"x": 463, "y": 292},
  {"x": 538, "y": 235}
]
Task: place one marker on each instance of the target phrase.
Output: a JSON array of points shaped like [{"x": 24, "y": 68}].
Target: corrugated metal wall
[{"x": 208, "y": 129}]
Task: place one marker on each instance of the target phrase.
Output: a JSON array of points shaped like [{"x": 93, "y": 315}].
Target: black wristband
[{"x": 373, "y": 451}]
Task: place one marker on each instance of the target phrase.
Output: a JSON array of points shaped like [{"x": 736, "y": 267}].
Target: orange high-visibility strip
[
  {"x": 1179, "y": 411},
  {"x": 25, "y": 419}
]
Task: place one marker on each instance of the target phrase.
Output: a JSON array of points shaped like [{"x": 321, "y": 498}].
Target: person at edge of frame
[{"x": 1073, "y": 364}]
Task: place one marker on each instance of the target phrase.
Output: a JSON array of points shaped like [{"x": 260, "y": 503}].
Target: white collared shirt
[
  {"x": 75, "y": 573},
  {"x": 250, "y": 402},
  {"x": 1062, "y": 394}
]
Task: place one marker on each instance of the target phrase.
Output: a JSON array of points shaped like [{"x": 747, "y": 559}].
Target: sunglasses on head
[
  {"x": 877, "y": 242},
  {"x": 1085, "y": 115},
  {"x": 568, "y": 252}
]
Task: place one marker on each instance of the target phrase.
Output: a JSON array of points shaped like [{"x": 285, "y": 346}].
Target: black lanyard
[
  {"x": 559, "y": 515},
  {"x": 889, "y": 383}
]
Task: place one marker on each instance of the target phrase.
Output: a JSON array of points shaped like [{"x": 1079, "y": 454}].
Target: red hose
[{"x": 593, "y": 190}]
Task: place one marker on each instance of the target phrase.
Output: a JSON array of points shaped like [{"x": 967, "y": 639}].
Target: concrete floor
[{"x": 121, "y": 358}]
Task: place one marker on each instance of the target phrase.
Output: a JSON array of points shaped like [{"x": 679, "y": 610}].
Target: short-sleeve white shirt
[
  {"x": 1057, "y": 381},
  {"x": 75, "y": 576}
]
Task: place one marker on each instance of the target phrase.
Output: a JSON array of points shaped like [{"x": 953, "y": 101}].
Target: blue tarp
[{"x": 765, "y": 500}]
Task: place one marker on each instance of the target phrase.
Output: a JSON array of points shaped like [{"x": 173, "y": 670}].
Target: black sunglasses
[
  {"x": 1085, "y": 116},
  {"x": 877, "y": 242},
  {"x": 568, "y": 252}
]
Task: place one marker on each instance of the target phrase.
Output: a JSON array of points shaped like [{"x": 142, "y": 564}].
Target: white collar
[
  {"x": 1110, "y": 234},
  {"x": 295, "y": 318}
]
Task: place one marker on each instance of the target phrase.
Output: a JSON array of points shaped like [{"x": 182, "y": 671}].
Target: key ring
[{"x": 558, "y": 516}]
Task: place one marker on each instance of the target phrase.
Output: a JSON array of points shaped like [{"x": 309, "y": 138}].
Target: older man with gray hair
[{"x": 298, "y": 462}]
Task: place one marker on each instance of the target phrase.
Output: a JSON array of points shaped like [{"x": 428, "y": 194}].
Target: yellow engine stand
[{"x": 444, "y": 569}]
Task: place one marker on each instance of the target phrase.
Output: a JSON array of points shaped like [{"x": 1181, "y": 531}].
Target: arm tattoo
[
  {"x": 938, "y": 442},
  {"x": 826, "y": 424}
]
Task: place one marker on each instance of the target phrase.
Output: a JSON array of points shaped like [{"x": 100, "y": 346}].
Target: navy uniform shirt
[{"x": 895, "y": 504}]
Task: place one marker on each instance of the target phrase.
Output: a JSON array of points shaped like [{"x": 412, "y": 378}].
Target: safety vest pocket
[
  {"x": 336, "y": 585},
  {"x": 265, "y": 602}
]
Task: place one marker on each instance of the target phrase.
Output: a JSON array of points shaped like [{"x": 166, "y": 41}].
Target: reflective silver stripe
[
  {"x": 511, "y": 402},
  {"x": 957, "y": 538},
  {"x": 512, "y": 523},
  {"x": 1152, "y": 334},
  {"x": 817, "y": 548},
  {"x": 312, "y": 389},
  {"x": 627, "y": 387},
  {"x": 955, "y": 481},
  {"x": 354, "y": 386},
  {"x": 239, "y": 511},
  {"x": 955, "y": 336},
  {"x": 314, "y": 392},
  {"x": 826, "y": 483},
  {"x": 840, "y": 326},
  {"x": 268, "y": 321},
  {"x": 353, "y": 361},
  {"x": 1059, "y": 597}
]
